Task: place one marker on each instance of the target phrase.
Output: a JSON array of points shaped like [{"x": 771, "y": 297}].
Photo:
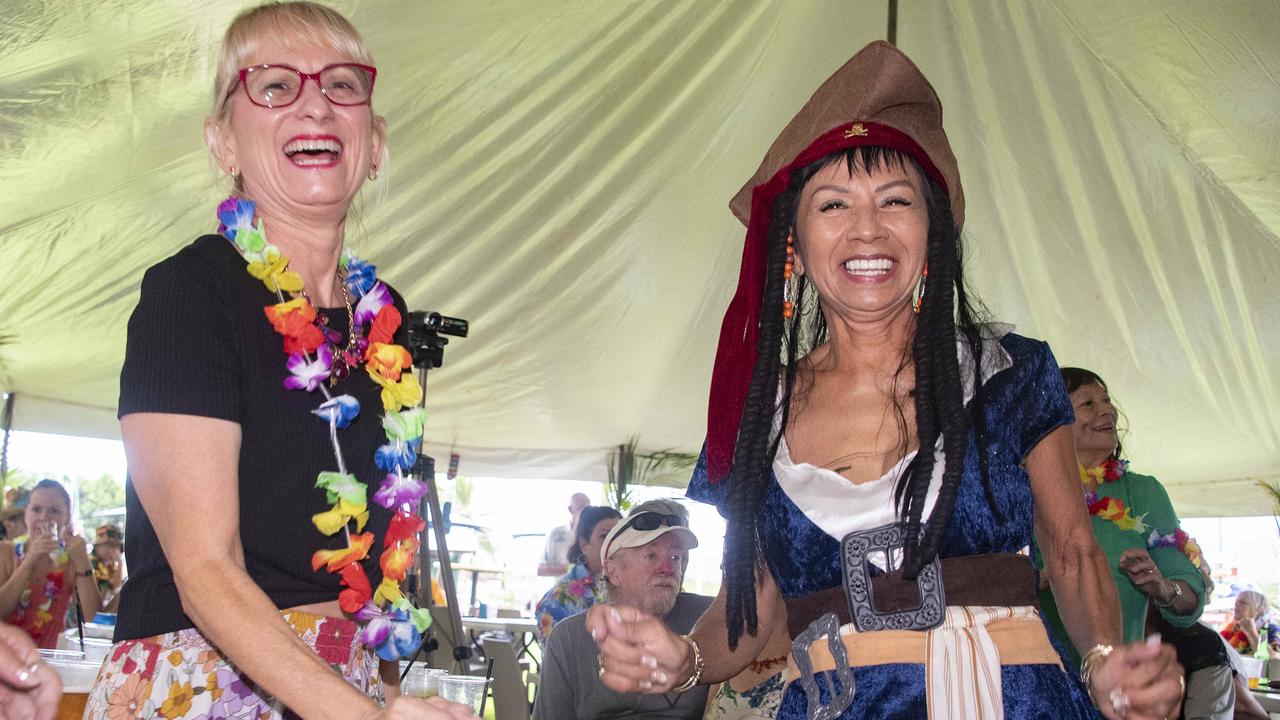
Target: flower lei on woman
[
  {"x": 1114, "y": 509},
  {"x": 394, "y": 626},
  {"x": 1238, "y": 639},
  {"x": 51, "y": 587}
]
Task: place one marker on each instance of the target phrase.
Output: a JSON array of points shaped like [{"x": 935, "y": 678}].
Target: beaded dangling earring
[
  {"x": 918, "y": 296},
  {"x": 788, "y": 271}
]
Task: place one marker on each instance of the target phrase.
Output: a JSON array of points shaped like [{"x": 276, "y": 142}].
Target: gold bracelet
[
  {"x": 1177, "y": 594},
  {"x": 1090, "y": 661},
  {"x": 698, "y": 666}
]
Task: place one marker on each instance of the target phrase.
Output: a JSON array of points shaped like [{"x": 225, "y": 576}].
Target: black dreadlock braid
[
  {"x": 945, "y": 313},
  {"x": 942, "y": 413},
  {"x": 753, "y": 454}
]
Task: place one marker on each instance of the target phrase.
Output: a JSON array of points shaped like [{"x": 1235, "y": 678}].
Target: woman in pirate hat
[{"x": 882, "y": 457}]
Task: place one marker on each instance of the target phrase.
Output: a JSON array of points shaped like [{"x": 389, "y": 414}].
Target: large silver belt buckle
[
  {"x": 827, "y": 626},
  {"x": 855, "y": 550}
]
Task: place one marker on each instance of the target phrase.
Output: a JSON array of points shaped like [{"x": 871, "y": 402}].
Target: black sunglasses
[{"x": 647, "y": 521}]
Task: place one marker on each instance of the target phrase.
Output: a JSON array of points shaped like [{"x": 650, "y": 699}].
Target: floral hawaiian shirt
[{"x": 573, "y": 593}]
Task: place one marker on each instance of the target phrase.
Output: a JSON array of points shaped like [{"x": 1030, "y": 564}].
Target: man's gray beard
[{"x": 659, "y": 604}]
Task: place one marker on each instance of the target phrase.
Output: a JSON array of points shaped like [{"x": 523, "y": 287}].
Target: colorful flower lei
[
  {"x": 42, "y": 612},
  {"x": 1110, "y": 470},
  {"x": 1114, "y": 509},
  {"x": 1237, "y": 637},
  {"x": 394, "y": 626}
]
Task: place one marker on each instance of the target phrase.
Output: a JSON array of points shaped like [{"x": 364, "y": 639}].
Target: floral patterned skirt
[{"x": 182, "y": 675}]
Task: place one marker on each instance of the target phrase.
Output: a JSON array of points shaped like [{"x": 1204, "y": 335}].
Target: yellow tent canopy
[{"x": 559, "y": 177}]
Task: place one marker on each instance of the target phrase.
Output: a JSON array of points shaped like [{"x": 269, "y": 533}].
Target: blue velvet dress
[{"x": 1023, "y": 404}]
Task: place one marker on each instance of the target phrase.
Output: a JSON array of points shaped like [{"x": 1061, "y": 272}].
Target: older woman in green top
[{"x": 1151, "y": 558}]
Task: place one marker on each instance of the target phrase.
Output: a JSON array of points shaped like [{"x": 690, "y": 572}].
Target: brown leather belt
[{"x": 997, "y": 579}]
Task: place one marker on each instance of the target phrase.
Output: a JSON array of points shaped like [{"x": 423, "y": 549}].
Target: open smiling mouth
[
  {"x": 868, "y": 267},
  {"x": 313, "y": 152}
]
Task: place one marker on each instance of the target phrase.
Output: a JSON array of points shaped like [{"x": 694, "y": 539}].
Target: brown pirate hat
[{"x": 879, "y": 97}]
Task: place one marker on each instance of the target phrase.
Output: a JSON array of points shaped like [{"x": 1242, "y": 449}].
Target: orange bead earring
[{"x": 918, "y": 295}]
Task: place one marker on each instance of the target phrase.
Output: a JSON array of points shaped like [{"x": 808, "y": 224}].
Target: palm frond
[
  {"x": 628, "y": 467},
  {"x": 1272, "y": 489}
]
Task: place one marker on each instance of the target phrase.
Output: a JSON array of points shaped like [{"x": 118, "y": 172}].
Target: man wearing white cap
[{"x": 644, "y": 559}]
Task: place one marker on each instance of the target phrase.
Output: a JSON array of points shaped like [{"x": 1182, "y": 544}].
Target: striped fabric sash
[{"x": 962, "y": 656}]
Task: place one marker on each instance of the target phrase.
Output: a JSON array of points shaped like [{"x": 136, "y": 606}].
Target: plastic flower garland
[
  {"x": 52, "y": 586},
  {"x": 1114, "y": 509},
  {"x": 394, "y": 626}
]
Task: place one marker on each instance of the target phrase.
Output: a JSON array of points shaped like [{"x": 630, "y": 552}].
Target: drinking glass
[{"x": 466, "y": 690}]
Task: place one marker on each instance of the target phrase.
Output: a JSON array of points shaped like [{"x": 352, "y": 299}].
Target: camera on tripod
[
  {"x": 427, "y": 331},
  {"x": 426, "y": 343}
]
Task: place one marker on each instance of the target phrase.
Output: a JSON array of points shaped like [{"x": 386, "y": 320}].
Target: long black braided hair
[{"x": 947, "y": 312}]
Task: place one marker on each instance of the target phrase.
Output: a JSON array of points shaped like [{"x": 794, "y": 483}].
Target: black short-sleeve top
[{"x": 200, "y": 344}]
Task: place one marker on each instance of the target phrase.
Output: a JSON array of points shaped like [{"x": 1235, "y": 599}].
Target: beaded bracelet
[{"x": 698, "y": 666}]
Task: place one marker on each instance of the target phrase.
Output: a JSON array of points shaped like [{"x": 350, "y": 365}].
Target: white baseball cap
[{"x": 647, "y": 522}]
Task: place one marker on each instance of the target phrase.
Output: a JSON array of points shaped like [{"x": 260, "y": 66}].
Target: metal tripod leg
[{"x": 455, "y": 634}]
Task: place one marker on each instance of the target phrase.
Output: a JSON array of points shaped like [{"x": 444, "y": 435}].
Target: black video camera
[{"x": 425, "y": 342}]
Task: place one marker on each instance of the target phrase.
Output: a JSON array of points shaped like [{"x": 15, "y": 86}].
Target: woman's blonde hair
[{"x": 1255, "y": 601}]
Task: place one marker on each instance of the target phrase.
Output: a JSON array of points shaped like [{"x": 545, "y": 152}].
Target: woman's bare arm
[
  {"x": 14, "y": 578},
  {"x": 184, "y": 469},
  {"x": 712, "y": 634},
  {"x": 1076, "y": 567},
  {"x": 1138, "y": 680}
]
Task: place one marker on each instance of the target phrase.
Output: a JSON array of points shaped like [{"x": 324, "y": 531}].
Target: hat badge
[{"x": 857, "y": 130}]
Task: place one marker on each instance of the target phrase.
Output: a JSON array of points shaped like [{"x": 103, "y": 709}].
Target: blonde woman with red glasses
[{"x": 267, "y": 412}]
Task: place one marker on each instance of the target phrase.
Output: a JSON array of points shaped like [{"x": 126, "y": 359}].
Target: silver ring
[
  {"x": 1119, "y": 701},
  {"x": 600, "y": 663}
]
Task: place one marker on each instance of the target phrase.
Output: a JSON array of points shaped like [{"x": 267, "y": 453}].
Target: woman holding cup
[{"x": 41, "y": 571}]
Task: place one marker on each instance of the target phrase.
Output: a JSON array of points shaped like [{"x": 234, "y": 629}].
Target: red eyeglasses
[{"x": 277, "y": 86}]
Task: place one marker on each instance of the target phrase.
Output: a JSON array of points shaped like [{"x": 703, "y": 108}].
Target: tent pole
[
  {"x": 891, "y": 33},
  {"x": 7, "y": 421}
]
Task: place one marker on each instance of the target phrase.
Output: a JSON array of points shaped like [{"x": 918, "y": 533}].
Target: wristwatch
[{"x": 1177, "y": 593}]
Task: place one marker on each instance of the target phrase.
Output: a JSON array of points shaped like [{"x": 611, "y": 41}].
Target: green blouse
[{"x": 1148, "y": 501}]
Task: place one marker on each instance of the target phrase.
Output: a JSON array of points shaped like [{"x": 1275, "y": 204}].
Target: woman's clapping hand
[
  {"x": 1142, "y": 681},
  {"x": 29, "y": 689},
  {"x": 638, "y": 653}
]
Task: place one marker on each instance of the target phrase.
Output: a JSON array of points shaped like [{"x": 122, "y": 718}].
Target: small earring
[
  {"x": 233, "y": 170},
  {"x": 918, "y": 296},
  {"x": 788, "y": 272},
  {"x": 373, "y": 172}
]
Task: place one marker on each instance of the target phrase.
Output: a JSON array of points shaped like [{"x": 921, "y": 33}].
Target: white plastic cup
[
  {"x": 422, "y": 681},
  {"x": 77, "y": 679},
  {"x": 466, "y": 690},
  {"x": 97, "y": 649}
]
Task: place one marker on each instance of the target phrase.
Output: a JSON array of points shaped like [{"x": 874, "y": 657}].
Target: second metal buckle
[
  {"x": 827, "y": 626},
  {"x": 858, "y": 591}
]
